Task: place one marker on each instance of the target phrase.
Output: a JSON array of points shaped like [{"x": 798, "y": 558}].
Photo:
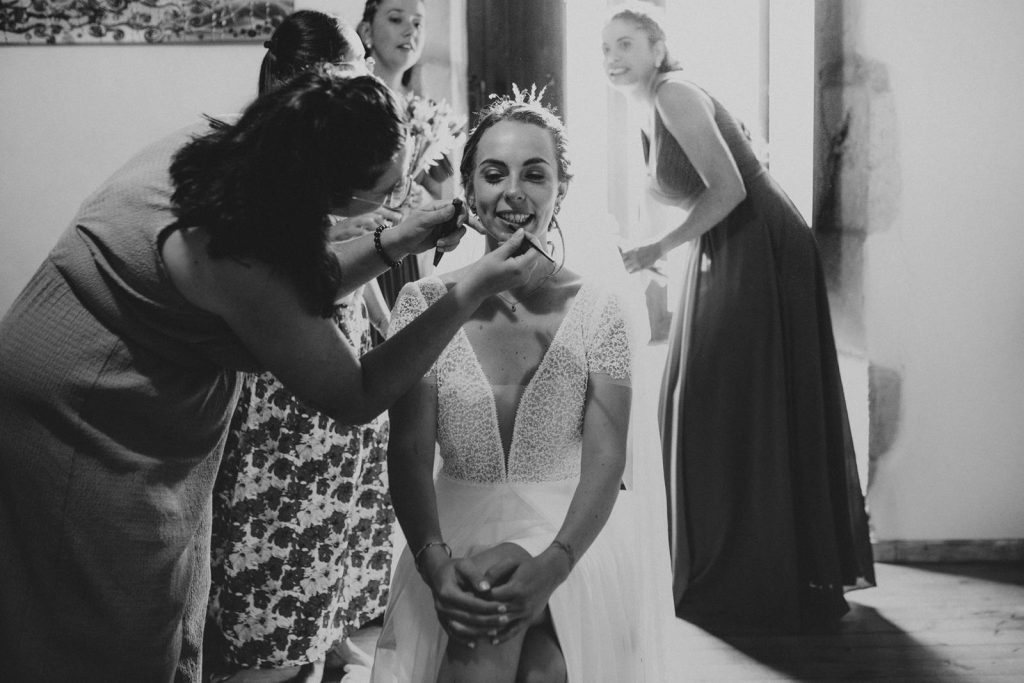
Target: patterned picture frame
[{"x": 81, "y": 22}]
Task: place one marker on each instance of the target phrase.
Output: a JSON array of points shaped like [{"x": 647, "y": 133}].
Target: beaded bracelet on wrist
[{"x": 388, "y": 261}]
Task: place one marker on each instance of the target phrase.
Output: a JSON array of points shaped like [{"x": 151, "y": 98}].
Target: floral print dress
[{"x": 302, "y": 524}]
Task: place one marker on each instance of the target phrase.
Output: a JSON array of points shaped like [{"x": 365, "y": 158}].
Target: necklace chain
[{"x": 513, "y": 303}]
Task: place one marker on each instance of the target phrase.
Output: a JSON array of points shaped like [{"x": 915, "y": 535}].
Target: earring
[{"x": 561, "y": 238}]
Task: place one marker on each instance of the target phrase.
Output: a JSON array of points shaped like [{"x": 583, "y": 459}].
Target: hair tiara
[{"x": 523, "y": 96}]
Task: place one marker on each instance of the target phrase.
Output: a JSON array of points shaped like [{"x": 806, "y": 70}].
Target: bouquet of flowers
[{"x": 434, "y": 132}]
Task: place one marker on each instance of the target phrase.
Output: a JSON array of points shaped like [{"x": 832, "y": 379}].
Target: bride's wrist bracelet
[
  {"x": 419, "y": 553},
  {"x": 567, "y": 549}
]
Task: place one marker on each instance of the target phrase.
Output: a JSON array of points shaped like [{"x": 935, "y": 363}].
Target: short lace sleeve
[
  {"x": 409, "y": 305},
  {"x": 609, "y": 349},
  {"x": 413, "y": 300}
]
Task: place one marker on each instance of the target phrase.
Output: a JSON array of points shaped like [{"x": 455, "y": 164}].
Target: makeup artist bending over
[{"x": 204, "y": 255}]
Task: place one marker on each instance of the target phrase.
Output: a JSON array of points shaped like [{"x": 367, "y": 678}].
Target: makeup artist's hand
[
  {"x": 357, "y": 226},
  {"x": 500, "y": 268},
  {"x": 418, "y": 232}
]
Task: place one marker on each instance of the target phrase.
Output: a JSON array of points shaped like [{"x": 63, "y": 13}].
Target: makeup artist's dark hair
[{"x": 262, "y": 187}]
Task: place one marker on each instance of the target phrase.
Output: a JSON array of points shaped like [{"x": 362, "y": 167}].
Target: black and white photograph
[{"x": 511, "y": 341}]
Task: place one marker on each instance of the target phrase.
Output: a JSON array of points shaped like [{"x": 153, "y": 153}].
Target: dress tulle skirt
[{"x": 597, "y": 612}]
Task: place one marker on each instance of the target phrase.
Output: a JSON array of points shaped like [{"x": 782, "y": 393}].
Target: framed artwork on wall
[{"x": 81, "y": 22}]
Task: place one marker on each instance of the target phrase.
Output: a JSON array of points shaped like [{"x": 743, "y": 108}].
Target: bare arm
[
  {"x": 531, "y": 582},
  {"x": 462, "y": 613},
  {"x": 307, "y": 353},
  {"x": 411, "y": 443},
  {"x": 605, "y": 421},
  {"x": 346, "y": 229},
  {"x": 414, "y": 234},
  {"x": 689, "y": 116},
  {"x": 376, "y": 307}
]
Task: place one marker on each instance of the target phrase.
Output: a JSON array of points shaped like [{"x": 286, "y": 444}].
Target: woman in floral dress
[
  {"x": 301, "y": 552},
  {"x": 302, "y": 524}
]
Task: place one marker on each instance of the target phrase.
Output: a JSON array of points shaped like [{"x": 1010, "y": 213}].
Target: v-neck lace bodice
[{"x": 547, "y": 434}]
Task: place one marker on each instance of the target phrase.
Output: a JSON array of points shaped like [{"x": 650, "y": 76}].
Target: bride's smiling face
[{"x": 515, "y": 180}]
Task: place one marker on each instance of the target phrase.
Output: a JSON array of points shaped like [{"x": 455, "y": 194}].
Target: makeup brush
[
  {"x": 530, "y": 241},
  {"x": 448, "y": 227}
]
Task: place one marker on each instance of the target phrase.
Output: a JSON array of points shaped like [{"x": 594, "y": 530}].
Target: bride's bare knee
[
  {"x": 484, "y": 662},
  {"x": 502, "y": 551},
  {"x": 498, "y": 561},
  {"x": 541, "y": 659}
]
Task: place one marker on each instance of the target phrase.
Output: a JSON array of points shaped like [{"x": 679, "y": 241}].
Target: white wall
[
  {"x": 70, "y": 115},
  {"x": 944, "y": 283}
]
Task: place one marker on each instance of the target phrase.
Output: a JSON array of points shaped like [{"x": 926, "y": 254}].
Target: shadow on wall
[{"x": 857, "y": 189}]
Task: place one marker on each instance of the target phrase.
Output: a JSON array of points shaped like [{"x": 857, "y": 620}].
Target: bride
[{"x": 518, "y": 557}]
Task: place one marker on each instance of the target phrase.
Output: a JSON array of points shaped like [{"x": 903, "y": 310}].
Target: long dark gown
[{"x": 766, "y": 516}]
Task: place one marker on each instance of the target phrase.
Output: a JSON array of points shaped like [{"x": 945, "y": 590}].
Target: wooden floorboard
[
  {"x": 942, "y": 623},
  {"x": 948, "y": 623}
]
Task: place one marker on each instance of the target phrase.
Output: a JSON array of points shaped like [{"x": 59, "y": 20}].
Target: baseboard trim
[{"x": 982, "y": 550}]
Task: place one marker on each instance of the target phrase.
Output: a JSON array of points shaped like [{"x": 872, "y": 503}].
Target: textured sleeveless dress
[
  {"x": 302, "y": 524},
  {"x": 482, "y": 503},
  {"x": 115, "y": 398},
  {"x": 766, "y": 516}
]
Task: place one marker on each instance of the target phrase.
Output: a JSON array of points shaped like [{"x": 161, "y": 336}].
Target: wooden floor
[
  {"x": 945, "y": 622},
  {"x": 954, "y": 623}
]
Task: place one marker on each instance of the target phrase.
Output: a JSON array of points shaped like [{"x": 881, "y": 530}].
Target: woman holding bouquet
[{"x": 394, "y": 33}]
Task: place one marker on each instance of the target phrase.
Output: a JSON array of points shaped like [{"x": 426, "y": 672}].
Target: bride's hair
[
  {"x": 524, "y": 106},
  {"x": 262, "y": 187}
]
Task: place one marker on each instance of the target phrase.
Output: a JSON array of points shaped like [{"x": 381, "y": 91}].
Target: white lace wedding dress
[{"x": 598, "y": 611}]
